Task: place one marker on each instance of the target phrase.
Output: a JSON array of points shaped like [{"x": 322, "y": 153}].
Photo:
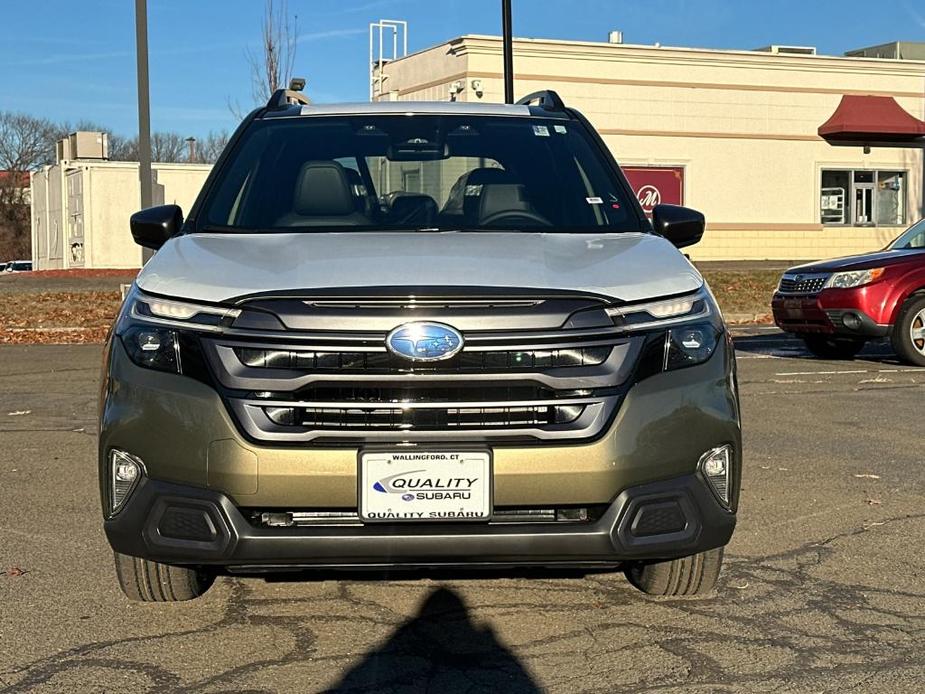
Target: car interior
[{"x": 421, "y": 179}]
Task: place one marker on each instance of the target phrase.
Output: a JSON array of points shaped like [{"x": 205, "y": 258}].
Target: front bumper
[
  {"x": 825, "y": 313},
  {"x": 179, "y": 524},
  {"x": 195, "y": 458}
]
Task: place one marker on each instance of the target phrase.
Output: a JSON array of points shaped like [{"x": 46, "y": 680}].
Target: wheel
[
  {"x": 833, "y": 347},
  {"x": 150, "y": 581},
  {"x": 693, "y": 575},
  {"x": 908, "y": 336}
]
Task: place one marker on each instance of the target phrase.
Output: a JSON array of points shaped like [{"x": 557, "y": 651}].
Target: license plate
[
  {"x": 425, "y": 486},
  {"x": 793, "y": 304}
]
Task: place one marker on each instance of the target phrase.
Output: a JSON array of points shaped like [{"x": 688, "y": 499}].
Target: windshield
[
  {"x": 913, "y": 237},
  {"x": 417, "y": 172}
]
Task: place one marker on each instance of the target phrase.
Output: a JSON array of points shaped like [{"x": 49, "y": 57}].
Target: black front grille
[
  {"x": 386, "y": 362},
  {"x": 802, "y": 284},
  {"x": 422, "y": 418},
  {"x": 403, "y": 394},
  {"x": 528, "y": 371},
  {"x": 276, "y": 518}
]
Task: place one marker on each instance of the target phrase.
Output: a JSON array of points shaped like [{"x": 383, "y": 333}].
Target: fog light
[
  {"x": 851, "y": 321},
  {"x": 716, "y": 466},
  {"x": 126, "y": 471}
]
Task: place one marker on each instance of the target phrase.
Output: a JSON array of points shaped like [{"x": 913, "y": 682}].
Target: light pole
[
  {"x": 144, "y": 103},
  {"x": 508, "y": 50}
]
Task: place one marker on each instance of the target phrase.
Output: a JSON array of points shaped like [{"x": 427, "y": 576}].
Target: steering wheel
[{"x": 513, "y": 215}]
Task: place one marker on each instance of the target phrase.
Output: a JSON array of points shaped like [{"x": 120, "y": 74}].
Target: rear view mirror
[
  {"x": 680, "y": 225},
  {"x": 417, "y": 149},
  {"x": 152, "y": 227}
]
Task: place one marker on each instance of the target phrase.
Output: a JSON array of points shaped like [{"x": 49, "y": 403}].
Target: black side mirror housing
[
  {"x": 152, "y": 227},
  {"x": 680, "y": 225}
]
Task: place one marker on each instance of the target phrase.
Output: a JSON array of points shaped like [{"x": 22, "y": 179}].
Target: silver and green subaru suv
[{"x": 421, "y": 335}]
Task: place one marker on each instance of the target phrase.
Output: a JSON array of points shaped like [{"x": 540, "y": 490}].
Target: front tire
[
  {"x": 693, "y": 575},
  {"x": 150, "y": 581},
  {"x": 908, "y": 335},
  {"x": 833, "y": 347}
]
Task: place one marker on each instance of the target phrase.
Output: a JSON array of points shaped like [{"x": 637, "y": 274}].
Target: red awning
[{"x": 872, "y": 120}]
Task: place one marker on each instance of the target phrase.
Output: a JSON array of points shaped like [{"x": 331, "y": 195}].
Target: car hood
[
  {"x": 861, "y": 262},
  {"x": 222, "y": 267}
]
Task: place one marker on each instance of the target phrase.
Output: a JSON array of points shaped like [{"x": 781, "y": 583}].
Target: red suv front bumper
[{"x": 860, "y": 312}]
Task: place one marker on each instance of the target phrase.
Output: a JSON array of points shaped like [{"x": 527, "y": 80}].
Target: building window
[{"x": 863, "y": 198}]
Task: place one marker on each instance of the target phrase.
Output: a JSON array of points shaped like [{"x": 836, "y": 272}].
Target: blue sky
[{"x": 75, "y": 60}]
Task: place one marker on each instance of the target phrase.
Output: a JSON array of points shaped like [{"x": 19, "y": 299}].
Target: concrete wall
[
  {"x": 743, "y": 124},
  {"x": 89, "y": 204}
]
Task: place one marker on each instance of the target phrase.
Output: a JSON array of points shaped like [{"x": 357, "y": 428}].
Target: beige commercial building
[
  {"x": 81, "y": 208},
  {"x": 732, "y": 133}
]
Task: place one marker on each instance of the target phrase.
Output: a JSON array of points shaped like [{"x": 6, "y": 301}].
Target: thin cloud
[
  {"x": 918, "y": 18},
  {"x": 330, "y": 34},
  {"x": 58, "y": 58}
]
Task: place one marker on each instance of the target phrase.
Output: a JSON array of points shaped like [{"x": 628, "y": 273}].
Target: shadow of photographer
[{"x": 440, "y": 649}]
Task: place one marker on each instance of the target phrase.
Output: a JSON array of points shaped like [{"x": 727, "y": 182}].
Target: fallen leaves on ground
[
  {"x": 57, "y": 317},
  {"x": 128, "y": 275}
]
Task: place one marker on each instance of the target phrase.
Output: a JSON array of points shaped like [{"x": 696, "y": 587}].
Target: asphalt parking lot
[{"x": 823, "y": 590}]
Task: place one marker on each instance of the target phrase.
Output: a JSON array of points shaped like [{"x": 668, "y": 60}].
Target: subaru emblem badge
[{"x": 422, "y": 341}]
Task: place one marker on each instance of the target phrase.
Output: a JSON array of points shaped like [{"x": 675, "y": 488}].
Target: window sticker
[
  {"x": 594, "y": 201},
  {"x": 560, "y": 129},
  {"x": 541, "y": 131}
]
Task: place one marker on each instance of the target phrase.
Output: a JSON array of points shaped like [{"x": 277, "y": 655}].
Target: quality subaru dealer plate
[{"x": 420, "y": 486}]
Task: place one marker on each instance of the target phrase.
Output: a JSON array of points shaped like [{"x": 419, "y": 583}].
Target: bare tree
[
  {"x": 123, "y": 148},
  {"x": 210, "y": 147},
  {"x": 271, "y": 64},
  {"x": 167, "y": 147},
  {"x": 26, "y": 143},
  {"x": 271, "y": 68}
]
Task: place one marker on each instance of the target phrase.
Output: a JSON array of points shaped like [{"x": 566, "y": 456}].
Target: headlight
[
  {"x": 855, "y": 278},
  {"x": 180, "y": 313},
  {"x": 153, "y": 348},
  {"x": 681, "y": 331},
  {"x": 690, "y": 345},
  {"x": 663, "y": 312},
  {"x": 160, "y": 333}
]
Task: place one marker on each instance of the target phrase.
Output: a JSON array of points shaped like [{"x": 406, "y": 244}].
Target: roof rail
[
  {"x": 285, "y": 97},
  {"x": 546, "y": 99}
]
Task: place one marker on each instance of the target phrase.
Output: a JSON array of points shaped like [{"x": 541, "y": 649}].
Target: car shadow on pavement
[
  {"x": 784, "y": 345},
  {"x": 440, "y": 649}
]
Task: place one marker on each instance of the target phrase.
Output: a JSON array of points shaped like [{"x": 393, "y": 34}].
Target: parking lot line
[{"x": 822, "y": 373}]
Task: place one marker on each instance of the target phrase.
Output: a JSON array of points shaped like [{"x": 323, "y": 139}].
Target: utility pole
[
  {"x": 508, "y": 48},
  {"x": 144, "y": 103}
]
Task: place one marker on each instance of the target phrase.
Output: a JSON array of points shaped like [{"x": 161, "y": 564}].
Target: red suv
[{"x": 836, "y": 306}]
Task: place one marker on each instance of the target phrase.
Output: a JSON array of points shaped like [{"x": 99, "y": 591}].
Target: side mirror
[
  {"x": 680, "y": 225},
  {"x": 153, "y": 226}
]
